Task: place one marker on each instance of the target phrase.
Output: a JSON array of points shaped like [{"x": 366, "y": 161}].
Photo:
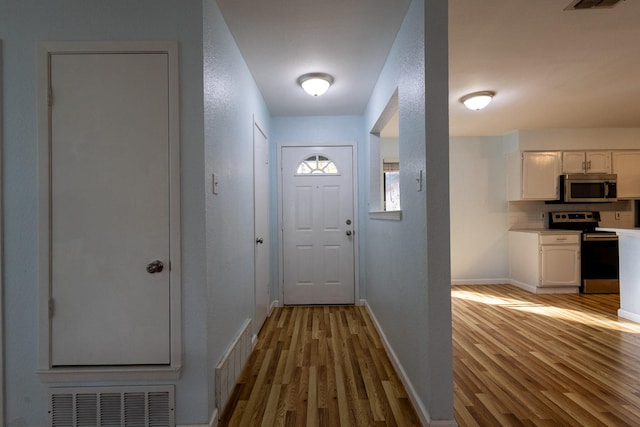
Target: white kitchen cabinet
[
  {"x": 626, "y": 164},
  {"x": 533, "y": 175},
  {"x": 586, "y": 162},
  {"x": 545, "y": 261}
]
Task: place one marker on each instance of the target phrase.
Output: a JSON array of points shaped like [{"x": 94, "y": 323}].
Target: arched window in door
[{"x": 317, "y": 164}]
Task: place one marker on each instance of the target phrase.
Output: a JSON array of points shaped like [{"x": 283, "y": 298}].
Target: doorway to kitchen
[{"x": 318, "y": 224}]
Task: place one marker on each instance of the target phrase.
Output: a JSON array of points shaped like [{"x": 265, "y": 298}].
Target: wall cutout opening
[{"x": 385, "y": 159}]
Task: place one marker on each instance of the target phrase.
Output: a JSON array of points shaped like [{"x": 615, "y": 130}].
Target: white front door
[
  {"x": 261, "y": 226},
  {"x": 318, "y": 225},
  {"x": 109, "y": 214}
]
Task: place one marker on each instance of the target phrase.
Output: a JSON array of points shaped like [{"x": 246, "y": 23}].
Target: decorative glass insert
[{"x": 317, "y": 164}]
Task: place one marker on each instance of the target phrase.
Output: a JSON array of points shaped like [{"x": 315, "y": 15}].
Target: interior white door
[
  {"x": 318, "y": 225},
  {"x": 109, "y": 209},
  {"x": 261, "y": 226},
  {"x": 1, "y": 256}
]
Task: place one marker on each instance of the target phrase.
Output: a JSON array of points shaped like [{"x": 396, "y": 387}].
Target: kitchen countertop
[
  {"x": 545, "y": 231},
  {"x": 635, "y": 232}
]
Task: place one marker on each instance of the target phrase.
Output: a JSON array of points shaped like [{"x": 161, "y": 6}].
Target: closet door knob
[{"x": 155, "y": 267}]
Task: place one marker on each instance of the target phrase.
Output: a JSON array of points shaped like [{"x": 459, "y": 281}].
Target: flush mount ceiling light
[
  {"x": 315, "y": 84},
  {"x": 477, "y": 100}
]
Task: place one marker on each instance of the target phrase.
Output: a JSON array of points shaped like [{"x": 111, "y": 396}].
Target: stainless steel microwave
[{"x": 588, "y": 188}]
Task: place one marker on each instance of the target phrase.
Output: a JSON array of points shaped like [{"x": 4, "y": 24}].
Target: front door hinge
[{"x": 51, "y": 307}]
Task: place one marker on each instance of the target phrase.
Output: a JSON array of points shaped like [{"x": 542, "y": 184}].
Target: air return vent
[
  {"x": 147, "y": 406},
  {"x": 591, "y": 4}
]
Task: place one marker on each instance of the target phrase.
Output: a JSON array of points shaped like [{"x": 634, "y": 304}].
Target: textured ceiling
[
  {"x": 283, "y": 39},
  {"x": 550, "y": 68}
]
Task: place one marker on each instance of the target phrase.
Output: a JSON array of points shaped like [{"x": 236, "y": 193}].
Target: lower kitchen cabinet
[{"x": 545, "y": 261}]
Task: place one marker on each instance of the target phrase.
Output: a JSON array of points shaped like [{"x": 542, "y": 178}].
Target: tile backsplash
[{"x": 534, "y": 214}]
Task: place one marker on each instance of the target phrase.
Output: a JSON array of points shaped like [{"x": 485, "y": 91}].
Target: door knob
[
  {"x": 259, "y": 240},
  {"x": 155, "y": 267},
  {"x": 348, "y": 232}
]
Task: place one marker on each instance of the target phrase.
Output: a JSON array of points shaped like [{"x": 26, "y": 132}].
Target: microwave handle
[{"x": 606, "y": 190}]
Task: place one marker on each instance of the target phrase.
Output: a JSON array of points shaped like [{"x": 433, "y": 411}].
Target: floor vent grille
[{"x": 137, "y": 406}]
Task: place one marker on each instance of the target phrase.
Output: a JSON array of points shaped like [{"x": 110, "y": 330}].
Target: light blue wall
[
  {"x": 231, "y": 101},
  {"x": 479, "y": 210},
  {"x": 402, "y": 263},
  {"x": 23, "y": 24},
  {"x": 407, "y": 261},
  {"x": 311, "y": 130}
]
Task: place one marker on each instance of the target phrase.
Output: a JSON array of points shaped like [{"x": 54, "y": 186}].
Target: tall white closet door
[{"x": 109, "y": 198}]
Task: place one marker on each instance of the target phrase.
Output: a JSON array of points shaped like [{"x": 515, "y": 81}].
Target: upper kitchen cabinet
[
  {"x": 626, "y": 164},
  {"x": 533, "y": 175},
  {"x": 586, "y": 162}
]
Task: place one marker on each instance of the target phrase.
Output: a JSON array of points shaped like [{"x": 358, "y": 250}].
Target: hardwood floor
[
  {"x": 543, "y": 360},
  {"x": 519, "y": 360},
  {"x": 319, "y": 366}
]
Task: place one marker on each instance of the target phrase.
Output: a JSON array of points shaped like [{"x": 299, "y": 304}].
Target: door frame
[
  {"x": 256, "y": 329},
  {"x": 356, "y": 216},
  {"x": 1, "y": 252},
  {"x": 45, "y": 371}
]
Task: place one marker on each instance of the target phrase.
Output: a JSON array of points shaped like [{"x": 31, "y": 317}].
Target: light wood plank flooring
[
  {"x": 319, "y": 366},
  {"x": 543, "y": 360},
  {"x": 519, "y": 360}
]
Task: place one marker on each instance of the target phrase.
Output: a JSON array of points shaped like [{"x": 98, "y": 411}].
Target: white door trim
[
  {"x": 258, "y": 323},
  {"x": 356, "y": 215},
  {"x": 45, "y": 370}
]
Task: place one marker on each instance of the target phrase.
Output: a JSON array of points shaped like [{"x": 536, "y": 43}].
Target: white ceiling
[
  {"x": 550, "y": 68},
  {"x": 282, "y": 39}
]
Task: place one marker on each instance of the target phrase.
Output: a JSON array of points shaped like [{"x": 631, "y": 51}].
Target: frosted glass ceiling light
[
  {"x": 477, "y": 100},
  {"x": 315, "y": 84}
]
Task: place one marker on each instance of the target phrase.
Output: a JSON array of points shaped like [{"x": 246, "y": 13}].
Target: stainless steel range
[{"x": 598, "y": 250}]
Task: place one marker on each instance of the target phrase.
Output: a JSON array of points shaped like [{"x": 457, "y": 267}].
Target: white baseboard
[
  {"x": 523, "y": 285},
  {"x": 479, "y": 281},
  {"x": 361, "y": 302},
  {"x": 443, "y": 423},
  {"x": 629, "y": 315},
  {"x": 545, "y": 289},
  {"x": 213, "y": 421},
  {"x": 274, "y": 304},
  {"x": 423, "y": 414}
]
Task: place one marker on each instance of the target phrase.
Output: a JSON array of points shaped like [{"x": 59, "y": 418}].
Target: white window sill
[{"x": 386, "y": 215}]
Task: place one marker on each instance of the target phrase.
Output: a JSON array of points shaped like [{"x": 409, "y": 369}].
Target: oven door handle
[{"x": 595, "y": 237}]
